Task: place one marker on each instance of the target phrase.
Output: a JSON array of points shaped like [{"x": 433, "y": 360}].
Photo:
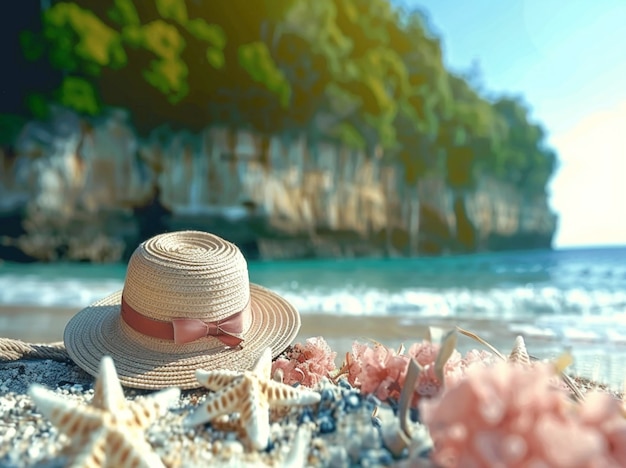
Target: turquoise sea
[{"x": 569, "y": 298}]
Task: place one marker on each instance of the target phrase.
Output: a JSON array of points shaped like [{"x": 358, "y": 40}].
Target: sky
[{"x": 567, "y": 58}]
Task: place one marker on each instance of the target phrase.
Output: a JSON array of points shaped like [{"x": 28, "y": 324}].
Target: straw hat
[{"x": 186, "y": 304}]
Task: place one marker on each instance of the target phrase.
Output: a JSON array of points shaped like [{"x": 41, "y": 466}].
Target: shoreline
[
  {"x": 38, "y": 324},
  {"x": 598, "y": 361},
  {"x": 346, "y": 427}
]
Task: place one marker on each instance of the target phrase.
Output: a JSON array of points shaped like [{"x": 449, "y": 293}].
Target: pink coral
[
  {"x": 456, "y": 370},
  {"x": 378, "y": 370},
  {"x": 306, "y": 363},
  {"x": 382, "y": 371},
  {"x": 510, "y": 415},
  {"x": 425, "y": 353}
]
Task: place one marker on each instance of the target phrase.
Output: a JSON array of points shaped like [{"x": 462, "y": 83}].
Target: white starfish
[
  {"x": 251, "y": 394},
  {"x": 109, "y": 432}
]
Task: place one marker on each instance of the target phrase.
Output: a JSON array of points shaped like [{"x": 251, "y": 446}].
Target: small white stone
[
  {"x": 217, "y": 447},
  {"x": 7, "y": 404},
  {"x": 9, "y": 434},
  {"x": 23, "y": 403},
  {"x": 232, "y": 447},
  {"x": 34, "y": 451},
  {"x": 29, "y": 431}
]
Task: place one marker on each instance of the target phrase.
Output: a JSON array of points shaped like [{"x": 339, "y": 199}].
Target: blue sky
[{"x": 567, "y": 58}]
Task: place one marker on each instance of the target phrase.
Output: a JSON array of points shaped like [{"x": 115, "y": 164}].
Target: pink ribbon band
[{"x": 186, "y": 330}]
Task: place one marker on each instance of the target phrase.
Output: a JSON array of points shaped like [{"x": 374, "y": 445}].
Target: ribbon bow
[{"x": 186, "y": 330}]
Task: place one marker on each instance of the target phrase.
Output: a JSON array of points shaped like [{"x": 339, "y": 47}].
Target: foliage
[
  {"x": 363, "y": 72},
  {"x": 10, "y": 126},
  {"x": 255, "y": 58}
]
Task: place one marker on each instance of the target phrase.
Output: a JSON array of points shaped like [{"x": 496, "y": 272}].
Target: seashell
[
  {"x": 400, "y": 433},
  {"x": 448, "y": 346},
  {"x": 519, "y": 354}
]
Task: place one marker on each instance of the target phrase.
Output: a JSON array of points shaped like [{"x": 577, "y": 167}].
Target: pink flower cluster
[
  {"x": 514, "y": 416},
  {"x": 378, "y": 370},
  {"x": 306, "y": 363},
  {"x": 381, "y": 371}
]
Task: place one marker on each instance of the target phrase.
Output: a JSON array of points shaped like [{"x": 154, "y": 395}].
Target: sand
[
  {"x": 341, "y": 431},
  {"x": 606, "y": 364}
]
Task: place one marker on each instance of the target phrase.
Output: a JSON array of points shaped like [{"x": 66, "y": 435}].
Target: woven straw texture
[{"x": 187, "y": 274}]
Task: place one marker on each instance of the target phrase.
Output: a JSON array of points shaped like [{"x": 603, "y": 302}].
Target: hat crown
[{"x": 187, "y": 274}]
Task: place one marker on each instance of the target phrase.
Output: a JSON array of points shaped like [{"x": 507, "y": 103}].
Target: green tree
[
  {"x": 427, "y": 102},
  {"x": 524, "y": 158},
  {"x": 168, "y": 61},
  {"x": 362, "y": 72}
]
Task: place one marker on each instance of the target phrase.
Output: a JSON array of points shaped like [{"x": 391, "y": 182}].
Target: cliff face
[{"x": 92, "y": 191}]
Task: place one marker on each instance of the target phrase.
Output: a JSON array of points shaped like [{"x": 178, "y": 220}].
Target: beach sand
[
  {"x": 600, "y": 362},
  {"x": 340, "y": 430}
]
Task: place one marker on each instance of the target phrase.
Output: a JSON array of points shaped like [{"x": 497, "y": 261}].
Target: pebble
[
  {"x": 29, "y": 431},
  {"x": 217, "y": 447},
  {"x": 352, "y": 400},
  {"x": 24, "y": 403},
  {"x": 232, "y": 448},
  {"x": 372, "y": 401},
  {"x": 76, "y": 388},
  {"x": 327, "y": 395},
  {"x": 33, "y": 452},
  {"x": 7, "y": 404},
  {"x": 343, "y": 383},
  {"x": 326, "y": 424},
  {"x": 305, "y": 416}
]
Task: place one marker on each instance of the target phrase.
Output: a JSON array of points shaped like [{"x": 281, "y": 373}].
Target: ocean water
[
  {"x": 576, "y": 293},
  {"x": 570, "y": 298}
]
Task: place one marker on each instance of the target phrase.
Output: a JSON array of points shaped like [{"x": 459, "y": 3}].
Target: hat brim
[{"x": 150, "y": 363}]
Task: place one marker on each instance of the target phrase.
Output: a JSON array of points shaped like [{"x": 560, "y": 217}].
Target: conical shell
[{"x": 519, "y": 354}]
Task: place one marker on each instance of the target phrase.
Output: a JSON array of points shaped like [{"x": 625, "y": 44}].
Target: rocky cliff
[{"x": 90, "y": 191}]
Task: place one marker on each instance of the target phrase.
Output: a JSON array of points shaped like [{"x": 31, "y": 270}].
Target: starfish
[
  {"x": 109, "y": 432},
  {"x": 250, "y": 393}
]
